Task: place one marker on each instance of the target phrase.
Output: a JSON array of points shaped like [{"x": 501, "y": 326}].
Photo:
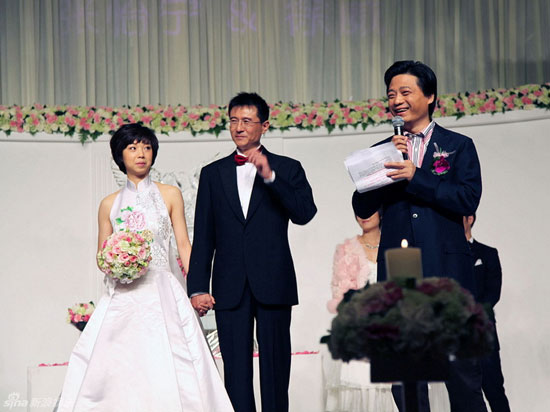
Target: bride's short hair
[{"x": 128, "y": 134}]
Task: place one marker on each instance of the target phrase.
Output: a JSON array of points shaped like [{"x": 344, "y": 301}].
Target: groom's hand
[
  {"x": 203, "y": 303},
  {"x": 262, "y": 165}
]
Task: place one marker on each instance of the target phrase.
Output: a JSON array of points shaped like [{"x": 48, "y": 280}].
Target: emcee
[{"x": 442, "y": 183}]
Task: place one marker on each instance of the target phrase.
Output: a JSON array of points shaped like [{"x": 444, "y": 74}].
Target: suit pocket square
[{"x": 478, "y": 262}]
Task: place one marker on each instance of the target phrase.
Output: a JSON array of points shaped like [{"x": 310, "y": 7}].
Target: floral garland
[{"x": 91, "y": 122}]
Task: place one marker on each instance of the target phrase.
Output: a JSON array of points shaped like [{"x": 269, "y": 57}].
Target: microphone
[{"x": 398, "y": 124}]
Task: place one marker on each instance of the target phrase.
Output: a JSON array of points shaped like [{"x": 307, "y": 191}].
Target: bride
[{"x": 143, "y": 348}]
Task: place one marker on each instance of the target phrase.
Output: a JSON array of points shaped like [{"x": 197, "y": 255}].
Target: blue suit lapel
[
  {"x": 228, "y": 177},
  {"x": 441, "y": 138}
]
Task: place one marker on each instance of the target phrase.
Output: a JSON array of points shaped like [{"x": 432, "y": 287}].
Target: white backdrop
[{"x": 51, "y": 186}]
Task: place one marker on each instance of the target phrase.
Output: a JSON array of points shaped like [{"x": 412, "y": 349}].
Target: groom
[{"x": 244, "y": 204}]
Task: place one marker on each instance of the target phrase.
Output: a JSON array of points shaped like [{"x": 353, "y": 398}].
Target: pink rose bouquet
[
  {"x": 79, "y": 314},
  {"x": 125, "y": 255}
]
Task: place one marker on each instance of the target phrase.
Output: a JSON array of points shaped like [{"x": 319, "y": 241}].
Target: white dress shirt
[{"x": 245, "y": 182}]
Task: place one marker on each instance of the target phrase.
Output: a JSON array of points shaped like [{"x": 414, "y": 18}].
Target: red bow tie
[{"x": 240, "y": 160}]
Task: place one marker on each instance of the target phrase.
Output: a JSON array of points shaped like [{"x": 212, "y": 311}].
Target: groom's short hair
[{"x": 252, "y": 100}]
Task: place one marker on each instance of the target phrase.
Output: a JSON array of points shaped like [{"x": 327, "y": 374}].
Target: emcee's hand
[
  {"x": 203, "y": 303},
  {"x": 400, "y": 142},
  {"x": 403, "y": 170},
  {"x": 262, "y": 165}
]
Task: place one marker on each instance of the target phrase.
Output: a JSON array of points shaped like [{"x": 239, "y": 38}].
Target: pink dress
[{"x": 347, "y": 385}]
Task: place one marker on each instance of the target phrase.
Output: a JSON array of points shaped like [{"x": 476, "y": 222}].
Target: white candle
[{"x": 403, "y": 262}]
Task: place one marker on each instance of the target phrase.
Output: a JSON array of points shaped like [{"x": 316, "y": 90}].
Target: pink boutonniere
[{"x": 440, "y": 165}]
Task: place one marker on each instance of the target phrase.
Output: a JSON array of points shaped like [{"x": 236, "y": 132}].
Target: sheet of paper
[{"x": 366, "y": 166}]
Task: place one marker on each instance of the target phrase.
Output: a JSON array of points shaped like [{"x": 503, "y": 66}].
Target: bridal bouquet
[
  {"x": 125, "y": 255},
  {"x": 432, "y": 319},
  {"x": 79, "y": 314}
]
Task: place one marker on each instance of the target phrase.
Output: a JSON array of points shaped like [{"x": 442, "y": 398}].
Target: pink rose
[
  {"x": 135, "y": 221},
  {"x": 142, "y": 252},
  {"x": 441, "y": 166},
  {"x": 124, "y": 257}
]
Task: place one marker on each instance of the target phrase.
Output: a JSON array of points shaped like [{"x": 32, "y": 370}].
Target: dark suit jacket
[
  {"x": 256, "y": 248},
  {"x": 428, "y": 210},
  {"x": 488, "y": 273}
]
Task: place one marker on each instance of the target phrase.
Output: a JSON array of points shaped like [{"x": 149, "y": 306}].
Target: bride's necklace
[{"x": 369, "y": 246}]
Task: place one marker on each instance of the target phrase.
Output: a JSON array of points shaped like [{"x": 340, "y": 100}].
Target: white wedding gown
[{"x": 143, "y": 348}]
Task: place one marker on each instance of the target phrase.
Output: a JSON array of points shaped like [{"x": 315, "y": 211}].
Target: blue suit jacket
[
  {"x": 256, "y": 248},
  {"x": 428, "y": 210}
]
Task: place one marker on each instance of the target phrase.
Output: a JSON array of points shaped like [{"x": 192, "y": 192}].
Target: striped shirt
[{"x": 417, "y": 143}]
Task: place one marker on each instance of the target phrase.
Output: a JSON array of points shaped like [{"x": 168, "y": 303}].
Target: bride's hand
[{"x": 203, "y": 303}]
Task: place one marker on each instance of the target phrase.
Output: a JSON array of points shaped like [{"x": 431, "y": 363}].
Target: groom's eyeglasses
[{"x": 247, "y": 123}]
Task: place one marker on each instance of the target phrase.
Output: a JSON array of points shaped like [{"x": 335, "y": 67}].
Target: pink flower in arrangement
[
  {"x": 275, "y": 112},
  {"x": 526, "y": 100},
  {"x": 142, "y": 253},
  {"x": 193, "y": 116},
  {"x": 185, "y": 123},
  {"x": 147, "y": 119},
  {"x": 217, "y": 114},
  {"x": 70, "y": 121},
  {"x": 332, "y": 120},
  {"x": 84, "y": 123},
  {"x": 509, "y": 101},
  {"x": 537, "y": 93},
  {"x": 124, "y": 257},
  {"x": 212, "y": 124},
  {"x": 440, "y": 166},
  {"x": 162, "y": 123},
  {"x": 207, "y": 117},
  {"x": 319, "y": 121}
]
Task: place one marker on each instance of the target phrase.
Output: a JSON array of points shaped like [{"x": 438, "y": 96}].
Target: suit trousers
[
  {"x": 235, "y": 332},
  {"x": 463, "y": 386},
  {"x": 493, "y": 383}
]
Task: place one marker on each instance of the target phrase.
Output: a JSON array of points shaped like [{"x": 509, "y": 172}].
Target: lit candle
[{"x": 403, "y": 262}]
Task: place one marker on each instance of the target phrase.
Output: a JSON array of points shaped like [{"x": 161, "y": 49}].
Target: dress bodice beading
[{"x": 140, "y": 208}]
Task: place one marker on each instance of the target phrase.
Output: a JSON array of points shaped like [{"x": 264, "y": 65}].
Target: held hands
[
  {"x": 203, "y": 303},
  {"x": 262, "y": 165},
  {"x": 405, "y": 169}
]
